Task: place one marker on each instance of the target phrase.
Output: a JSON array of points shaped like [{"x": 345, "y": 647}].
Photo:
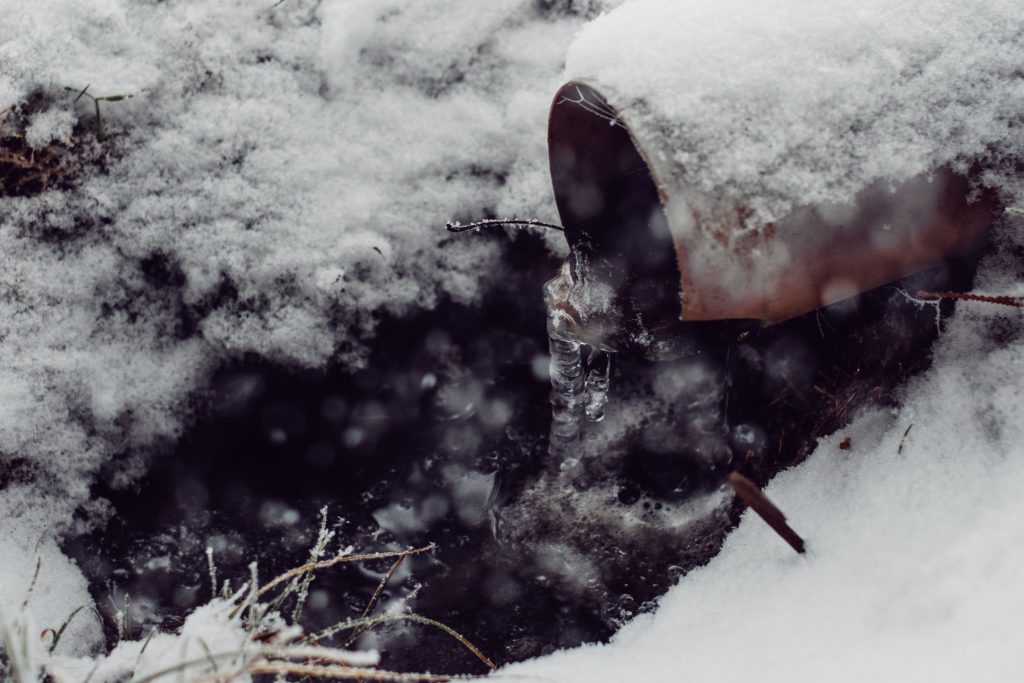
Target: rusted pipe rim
[
  {"x": 611, "y": 206},
  {"x": 673, "y": 253}
]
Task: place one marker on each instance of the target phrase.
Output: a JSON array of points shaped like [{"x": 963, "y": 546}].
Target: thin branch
[
  {"x": 323, "y": 537},
  {"x": 899, "y": 451},
  {"x": 1002, "y": 300},
  {"x": 323, "y": 564},
  {"x": 752, "y": 495},
  {"x": 63, "y": 627},
  {"x": 353, "y": 660},
  {"x": 373, "y": 600},
  {"x": 376, "y": 621},
  {"x": 455, "y": 226}
]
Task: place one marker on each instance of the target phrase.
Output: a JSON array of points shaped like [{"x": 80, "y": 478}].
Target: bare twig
[
  {"x": 1002, "y": 300},
  {"x": 330, "y": 672},
  {"x": 323, "y": 564},
  {"x": 372, "y": 622},
  {"x": 348, "y": 659},
  {"x": 374, "y": 598},
  {"x": 752, "y": 495},
  {"x": 67, "y": 622},
  {"x": 899, "y": 451},
  {"x": 302, "y": 584},
  {"x": 455, "y": 226}
]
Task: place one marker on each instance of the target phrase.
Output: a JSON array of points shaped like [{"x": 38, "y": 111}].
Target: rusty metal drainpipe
[{"x": 646, "y": 269}]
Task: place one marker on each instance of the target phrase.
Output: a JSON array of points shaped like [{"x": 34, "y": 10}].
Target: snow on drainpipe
[{"x": 660, "y": 254}]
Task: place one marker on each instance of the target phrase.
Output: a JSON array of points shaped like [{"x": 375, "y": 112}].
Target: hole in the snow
[{"x": 443, "y": 438}]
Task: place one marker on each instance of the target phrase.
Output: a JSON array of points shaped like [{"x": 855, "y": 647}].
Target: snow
[
  {"x": 279, "y": 180},
  {"x": 208, "y": 641},
  {"x": 914, "y": 546},
  {"x": 783, "y": 104}
]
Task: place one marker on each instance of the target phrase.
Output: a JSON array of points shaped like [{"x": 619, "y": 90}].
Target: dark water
[{"x": 443, "y": 439}]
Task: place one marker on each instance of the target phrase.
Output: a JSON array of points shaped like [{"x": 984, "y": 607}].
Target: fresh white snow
[
  {"x": 782, "y": 104},
  {"x": 913, "y": 562},
  {"x": 289, "y": 170}
]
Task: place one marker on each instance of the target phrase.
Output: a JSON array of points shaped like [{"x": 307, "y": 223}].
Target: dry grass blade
[
  {"x": 1000, "y": 299},
  {"x": 32, "y": 584},
  {"x": 324, "y": 654},
  {"x": 302, "y": 584},
  {"x": 903, "y": 440},
  {"x": 324, "y": 564},
  {"x": 353, "y": 660},
  {"x": 67, "y": 622},
  {"x": 374, "y": 598},
  {"x": 321, "y": 672},
  {"x": 382, "y": 585},
  {"x": 749, "y": 492},
  {"x": 372, "y": 622},
  {"x": 16, "y": 161}
]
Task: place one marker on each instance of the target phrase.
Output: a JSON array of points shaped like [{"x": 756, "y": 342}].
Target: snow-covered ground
[
  {"x": 277, "y": 180},
  {"x": 915, "y": 546}
]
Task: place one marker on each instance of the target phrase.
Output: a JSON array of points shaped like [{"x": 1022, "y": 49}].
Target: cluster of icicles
[{"x": 577, "y": 393}]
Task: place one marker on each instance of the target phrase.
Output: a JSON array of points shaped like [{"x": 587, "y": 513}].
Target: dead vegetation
[
  {"x": 998, "y": 299},
  {"x": 270, "y": 643},
  {"x": 26, "y": 169}
]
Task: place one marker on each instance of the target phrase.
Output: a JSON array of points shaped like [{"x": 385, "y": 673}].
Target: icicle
[
  {"x": 567, "y": 382},
  {"x": 566, "y": 395},
  {"x": 599, "y": 367}
]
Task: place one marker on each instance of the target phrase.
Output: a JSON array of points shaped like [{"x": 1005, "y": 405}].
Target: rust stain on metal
[{"x": 674, "y": 258}]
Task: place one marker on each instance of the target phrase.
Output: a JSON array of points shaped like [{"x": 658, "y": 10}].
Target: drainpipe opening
[{"x": 611, "y": 209}]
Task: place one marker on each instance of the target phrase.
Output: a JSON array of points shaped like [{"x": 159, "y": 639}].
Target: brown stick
[
  {"x": 899, "y": 451},
  {"x": 1002, "y": 300},
  {"x": 755, "y": 499}
]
